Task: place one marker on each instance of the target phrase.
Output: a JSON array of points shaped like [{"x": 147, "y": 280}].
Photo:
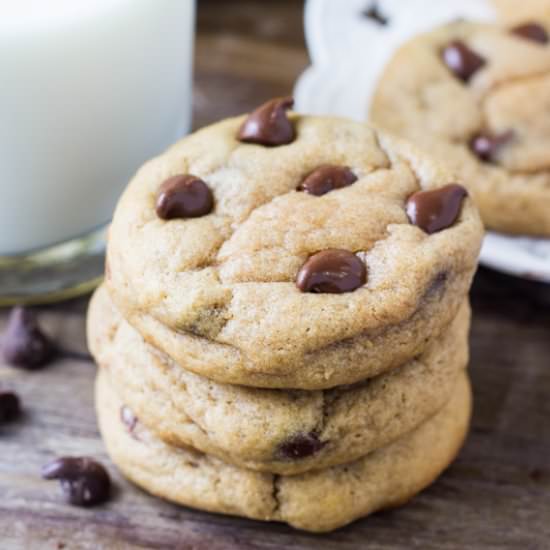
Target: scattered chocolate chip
[
  {"x": 436, "y": 209},
  {"x": 373, "y": 12},
  {"x": 537, "y": 475},
  {"x": 332, "y": 271},
  {"x": 128, "y": 418},
  {"x": 84, "y": 481},
  {"x": 326, "y": 178},
  {"x": 184, "y": 196},
  {"x": 531, "y": 31},
  {"x": 486, "y": 146},
  {"x": 269, "y": 124},
  {"x": 461, "y": 60},
  {"x": 10, "y": 407},
  {"x": 301, "y": 446},
  {"x": 24, "y": 344}
]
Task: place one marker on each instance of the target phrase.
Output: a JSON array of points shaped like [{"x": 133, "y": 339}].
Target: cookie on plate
[
  {"x": 476, "y": 96},
  {"x": 284, "y": 251},
  {"x": 279, "y": 431},
  {"x": 318, "y": 501}
]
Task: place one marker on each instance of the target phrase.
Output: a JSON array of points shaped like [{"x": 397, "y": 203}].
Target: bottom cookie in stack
[{"x": 317, "y": 501}]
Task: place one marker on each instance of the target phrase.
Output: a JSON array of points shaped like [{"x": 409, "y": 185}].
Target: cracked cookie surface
[
  {"x": 218, "y": 292},
  {"x": 317, "y": 501},
  {"x": 278, "y": 431},
  {"x": 476, "y": 96}
]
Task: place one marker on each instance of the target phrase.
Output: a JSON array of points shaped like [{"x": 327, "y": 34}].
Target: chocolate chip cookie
[
  {"x": 278, "y": 431},
  {"x": 476, "y": 96},
  {"x": 285, "y": 251},
  {"x": 317, "y": 501}
]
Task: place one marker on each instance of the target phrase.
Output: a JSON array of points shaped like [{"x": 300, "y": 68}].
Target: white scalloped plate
[{"x": 348, "y": 53}]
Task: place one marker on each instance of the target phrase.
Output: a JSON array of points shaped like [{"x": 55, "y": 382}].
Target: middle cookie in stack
[{"x": 283, "y": 329}]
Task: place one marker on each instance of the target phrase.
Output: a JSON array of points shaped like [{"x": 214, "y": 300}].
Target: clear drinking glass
[{"x": 88, "y": 92}]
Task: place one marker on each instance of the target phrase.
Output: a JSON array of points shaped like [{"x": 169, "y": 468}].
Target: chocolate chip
[
  {"x": 24, "y": 344},
  {"x": 10, "y": 407},
  {"x": 461, "y": 60},
  {"x": 84, "y": 481},
  {"x": 437, "y": 209},
  {"x": 373, "y": 12},
  {"x": 269, "y": 124},
  {"x": 184, "y": 196},
  {"x": 301, "y": 446},
  {"x": 531, "y": 31},
  {"x": 486, "y": 146},
  {"x": 332, "y": 271},
  {"x": 128, "y": 418},
  {"x": 326, "y": 178}
]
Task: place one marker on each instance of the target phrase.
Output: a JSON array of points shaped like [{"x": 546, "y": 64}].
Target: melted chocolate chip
[
  {"x": 24, "y": 344},
  {"x": 269, "y": 124},
  {"x": 184, "y": 196},
  {"x": 437, "y": 209},
  {"x": 301, "y": 446},
  {"x": 461, "y": 60},
  {"x": 531, "y": 31},
  {"x": 128, "y": 418},
  {"x": 10, "y": 407},
  {"x": 332, "y": 271},
  {"x": 486, "y": 146},
  {"x": 84, "y": 481},
  {"x": 373, "y": 13},
  {"x": 326, "y": 178}
]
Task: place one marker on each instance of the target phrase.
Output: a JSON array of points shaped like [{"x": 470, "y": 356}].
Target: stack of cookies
[{"x": 283, "y": 329}]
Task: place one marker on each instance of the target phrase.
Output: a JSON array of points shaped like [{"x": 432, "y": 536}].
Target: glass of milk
[{"x": 89, "y": 90}]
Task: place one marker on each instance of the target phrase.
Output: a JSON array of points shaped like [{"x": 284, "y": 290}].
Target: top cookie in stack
[
  {"x": 477, "y": 97},
  {"x": 285, "y": 251}
]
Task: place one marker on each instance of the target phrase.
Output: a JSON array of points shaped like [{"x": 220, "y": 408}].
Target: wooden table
[{"x": 496, "y": 495}]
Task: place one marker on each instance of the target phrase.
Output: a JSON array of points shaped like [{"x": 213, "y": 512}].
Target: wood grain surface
[{"x": 496, "y": 495}]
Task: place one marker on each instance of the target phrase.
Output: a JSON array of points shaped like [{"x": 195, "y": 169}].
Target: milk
[{"x": 89, "y": 90}]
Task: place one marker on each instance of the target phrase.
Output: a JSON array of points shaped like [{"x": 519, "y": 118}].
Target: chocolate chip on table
[
  {"x": 23, "y": 343},
  {"x": 531, "y": 31},
  {"x": 84, "y": 481},
  {"x": 461, "y": 60},
  {"x": 436, "y": 209},
  {"x": 184, "y": 196},
  {"x": 486, "y": 146},
  {"x": 301, "y": 446},
  {"x": 373, "y": 13},
  {"x": 10, "y": 407},
  {"x": 332, "y": 271},
  {"x": 326, "y": 178},
  {"x": 269, "y": 124}
]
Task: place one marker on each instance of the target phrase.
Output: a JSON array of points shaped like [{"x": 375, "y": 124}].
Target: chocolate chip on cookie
[
  {"x": 332, "y": 271},
  {"x": 24, "y": 344},
  {"x": 436, "y": 209},
  {"x": 84, "y": 481},
  {"x": 301, "y": 446},
  {"x": 462, "y": 60},
  {"x": 486, "y": 145},
  {"x": 184, "y": 196},
  {"x": 531, "y": 31},
  {"x": 269, "y": 124},
  {"x": 9, "y": 406},
  {"x": 326, "y": 178}
]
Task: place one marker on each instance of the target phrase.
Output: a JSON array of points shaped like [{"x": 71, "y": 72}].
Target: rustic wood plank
[{"x": 496, "y": 495}]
